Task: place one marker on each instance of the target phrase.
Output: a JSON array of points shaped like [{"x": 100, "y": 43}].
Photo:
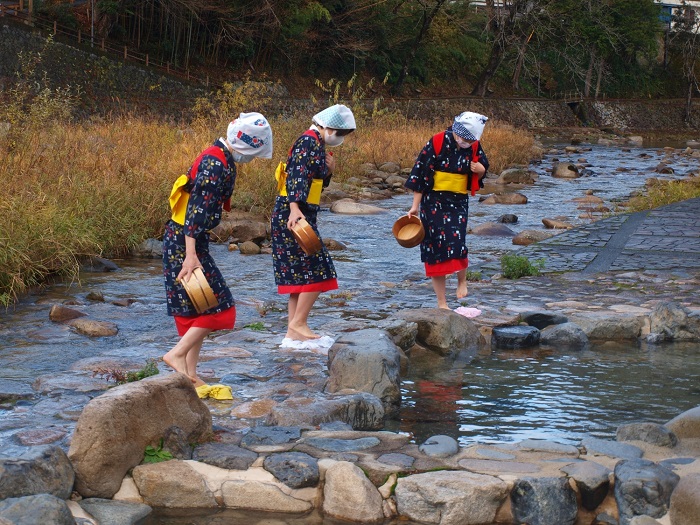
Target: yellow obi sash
[
  {"x": 179, "y": 199},
  {"x": 454, "y": 182},
  {"x": 314, "y": 192}
]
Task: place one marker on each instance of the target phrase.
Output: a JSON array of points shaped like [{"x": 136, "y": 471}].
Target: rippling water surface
[{"x": 497, "y": 397}]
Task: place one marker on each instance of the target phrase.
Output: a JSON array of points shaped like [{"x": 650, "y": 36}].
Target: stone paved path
[{"x": 665, "y": 238}]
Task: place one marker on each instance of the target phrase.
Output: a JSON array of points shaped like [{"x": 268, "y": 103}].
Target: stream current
[{"x": 496, "y": 397}]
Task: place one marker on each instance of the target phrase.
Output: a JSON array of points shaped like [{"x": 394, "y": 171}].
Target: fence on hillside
[{"x": 73, "y": 36}]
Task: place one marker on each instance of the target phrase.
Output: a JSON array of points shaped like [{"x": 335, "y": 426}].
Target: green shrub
[
  {"x": 156, "y": 455},
  {"x": 473, "y": 276},
  {"x": 517, "y": 266}
]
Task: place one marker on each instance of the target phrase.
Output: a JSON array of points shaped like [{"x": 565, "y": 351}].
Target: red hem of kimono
[
  {"x": 445, "y": 268},
  {"x": 218, "y": 321},
  {"x": 322, "y": 286}
]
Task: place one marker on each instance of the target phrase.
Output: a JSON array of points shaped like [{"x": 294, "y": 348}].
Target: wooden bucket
[
  {"x": 408, "y": 231},
  {"x": 199, "y": 291},
  {"x": 306, "y": 237}
]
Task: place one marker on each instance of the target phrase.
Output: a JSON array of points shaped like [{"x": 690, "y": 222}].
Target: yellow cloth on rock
[{"x": 221, "y": 392}]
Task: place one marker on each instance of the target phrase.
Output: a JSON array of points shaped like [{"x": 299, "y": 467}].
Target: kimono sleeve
[
  {"x": 205, "y": 196},
  {"x": 485, "y": 161},
  {"x": 422, "y": 174},
  {"x": 306, "y": 161}
]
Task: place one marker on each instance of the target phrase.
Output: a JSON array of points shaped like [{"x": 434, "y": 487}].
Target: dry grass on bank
[
  {"x": 101, "y": 187},
  {"x": 664, "y": 192}
]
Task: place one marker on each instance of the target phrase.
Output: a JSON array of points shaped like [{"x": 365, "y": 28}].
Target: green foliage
[
  {"x": 304, "y": 18},
  {"x": 517, "y": 266},
  {"x": 156, "y": 454},
  {"x": 122, "y": 376},
  {"x": 258, "y": 326},
  {"x": 473, "y": 276}
]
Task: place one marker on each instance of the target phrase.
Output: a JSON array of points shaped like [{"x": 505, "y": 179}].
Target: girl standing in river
[
  {"x": 308, "y": 170},
  {"x": 451, "y": 165},
  {"x": 197, "y": 201}
]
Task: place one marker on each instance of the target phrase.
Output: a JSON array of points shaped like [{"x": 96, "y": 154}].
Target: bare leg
[
  {"x": 192, "y": 359},
  {"x": 462, "y": 284},
  {"x": 440, "y": 287},
  {"x": 292, "y": 307},
  {"x": 298, "y": 328},
  {"x": 176, "y": 358}
]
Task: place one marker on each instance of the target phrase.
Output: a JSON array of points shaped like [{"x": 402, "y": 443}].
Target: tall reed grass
[{"x": 100, "y": 187}]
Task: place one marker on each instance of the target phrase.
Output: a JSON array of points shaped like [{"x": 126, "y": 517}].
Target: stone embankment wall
[{"x": 110, "y": 84}]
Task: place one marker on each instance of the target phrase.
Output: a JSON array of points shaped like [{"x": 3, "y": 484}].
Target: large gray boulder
[
  {"x": 349, "y": 495},
  {"x": 115, "y": 428},
  {"x": 173, "y": 484},
  {"x": 40, "y": 470},
  {"x": 673, "y": 322},
  {"x": 367, "y": 361},
  {"x": 565, "y": 335},
  {"x": 443, "y": 331},
  {"x": 450, "y": 497},
  {"x": 652, "y": 433},
  {"x": 643, "y": 488},
  {"x": 362, "y": 411},
  {"x": 33, "y": 510},
  {"x": 543, "y": 501},
  {"x": 592, "y": 481},
  {"x": 607, "y": 326},
  {"x": 108, "y": 512}
]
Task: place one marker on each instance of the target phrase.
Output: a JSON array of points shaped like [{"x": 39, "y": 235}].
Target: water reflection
[
  {"x": 500, "y": 396},
  {"x": 231, "y": 517},
  {"x": 548, "y": 394}
]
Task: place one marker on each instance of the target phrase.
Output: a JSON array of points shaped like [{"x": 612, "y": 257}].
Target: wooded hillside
[{"x": 611, "y": 48}]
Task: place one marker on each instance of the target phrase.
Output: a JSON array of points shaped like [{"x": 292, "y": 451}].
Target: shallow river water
[{"x": 496, "y": 397}]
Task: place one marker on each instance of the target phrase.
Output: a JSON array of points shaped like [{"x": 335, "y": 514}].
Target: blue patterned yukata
[
  {"x": 294, "y": 270},
  {"x": 443, "y": 213},
  {"x": 209, "y": 189}
]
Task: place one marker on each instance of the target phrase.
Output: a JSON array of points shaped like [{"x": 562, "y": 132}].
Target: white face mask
[
  {"x": 239, "y": 158},
  {"x": 331, "y": 138}
]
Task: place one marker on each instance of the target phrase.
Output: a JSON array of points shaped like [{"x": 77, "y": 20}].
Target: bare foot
[
  {"x": 461, "y": 290},
  {"x": 299, "y": 336},
  {"x": 302, "y": 330},
  {"x": 444, "y": 306},
  {"x": 197, "y": 381},
  {"x": 177, "y": 364}
]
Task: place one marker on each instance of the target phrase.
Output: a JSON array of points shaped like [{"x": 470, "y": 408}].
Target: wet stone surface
[{"x": 42, "y": 388}]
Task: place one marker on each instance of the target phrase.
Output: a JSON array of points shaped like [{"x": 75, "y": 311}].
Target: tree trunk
[
  {"x": 519, "y": 63},
  {"x": 601, "y": 68},
  {"x": 482, "y": 84},
  {"x": 589, "y": 76},
  {"x": 689, "y": 102},
  {"x": 408, "y": 61}
]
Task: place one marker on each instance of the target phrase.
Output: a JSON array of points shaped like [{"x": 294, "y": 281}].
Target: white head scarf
[
  {"x": 335, "y": 117},
  {"x": 250, "y": 134},
  {"x": 469, "y": 125}
]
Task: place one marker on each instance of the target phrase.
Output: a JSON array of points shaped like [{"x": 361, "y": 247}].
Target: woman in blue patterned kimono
[
  {"x": 308, "y": 170},
  {"x": 197, "y": 201},
  {"x": 451, "y": 165}
]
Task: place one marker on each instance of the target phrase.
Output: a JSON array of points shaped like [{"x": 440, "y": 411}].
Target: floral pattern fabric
[
  {"x": 211, "y": 186},
  {"x": 443, "y": 213},
  {"x": 306, "y": 161}
]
